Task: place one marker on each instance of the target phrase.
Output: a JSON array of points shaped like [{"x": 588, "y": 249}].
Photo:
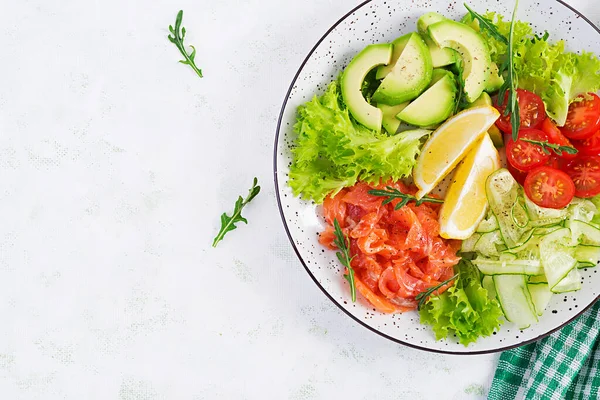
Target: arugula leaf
[
  {"x": 176, "y": 37},
  {"x": 424, "y": 296},
  {"x": 342, "y": 243},
  {"x": 499, "y": 47},
  {"x": 464, "y": 309},
  {"x": 227, "y": 222},
  {"x": 556, "y": 148},
  {"x": 393, "y": 194},
  {"x": 487, "y": 25},
  {"x": 460, "y": 97}
]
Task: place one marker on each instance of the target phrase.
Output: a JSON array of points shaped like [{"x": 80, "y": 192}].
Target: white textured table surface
[{"x": 115, "y": 164}]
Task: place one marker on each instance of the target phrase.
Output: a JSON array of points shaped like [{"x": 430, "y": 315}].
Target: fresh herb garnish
[
  {"x": 176, "y": 37},
  {"x": 487, "y": 24},
  {"x": 228, "y": 223},
  {"x": 342, "y": 243},
  {"x": 511, "y": 82},
  {"x": 556, "y": 148},
  {"x": 461, "y": 86},
  {"x": 393, "y": 194},
  {"x": 423, "y": 296}
]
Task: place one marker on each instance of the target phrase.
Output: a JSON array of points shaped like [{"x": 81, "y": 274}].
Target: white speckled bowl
[{"x": 382, "y": 21}]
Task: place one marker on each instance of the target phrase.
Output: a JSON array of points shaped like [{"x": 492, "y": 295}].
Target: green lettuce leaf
[
  {"x": 533, "y": 62},
  {"x": 586, "y": 77},
  {"x": 464, "y": 310},
  {"x": 333, "y": 151},
  {"x": 572, "y": 75},
  {"x": 596, "y": 201}
]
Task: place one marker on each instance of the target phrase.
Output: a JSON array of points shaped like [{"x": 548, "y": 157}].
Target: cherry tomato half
[
  {"x": 585, "y": 173},
  {"x": 531, "y": 110},
  {"x": 589, "y": 146},
  {"x": 555, "y": 136},
  {"x": 583, "y": 119},
  {"x": 525, "y": 156},
  {"x": 549, "y": 187},
  {"x": 518, "y": 175},
  {"x": 555, "y": 162}
]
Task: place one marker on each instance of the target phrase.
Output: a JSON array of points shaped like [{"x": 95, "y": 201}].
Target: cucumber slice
[
  {"x": 570, "y": 283},
  {"x": 486, "y": 245},
  {"x": 488, "y": 225},
  {"x": 502, "y": 192},
  {"x": 509, "y": 267},
  {"x": 468, "y": 245},
  {"x": 584, "y": 233},
  {"x": 560, "y": 236},
  {"x": 589, "y": 256},
  {"x": 506, "y": 256},
  {"x": 488, "y": 284},
  {"x": 536, "y": 212},
  {"x": 537, "y": 279},
  {"x": 519, "y": 215},
  {"x": 546, "y": 222},
  {"x": 582, "y": 265},
  {"x": 543, "y": 231},
  {"x": 581, "y": 210},
  {"x": 530, "y": 242},
  {"x": 515, "y": 300},
  {"x": 556, "y": 257},
  {"x": 540, "y": 296}
]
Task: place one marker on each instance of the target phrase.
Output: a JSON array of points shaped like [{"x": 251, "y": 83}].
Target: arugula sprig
[
  {"x": 227, "y": 222},
  {"x": 176, "y": 37},
  {"x": 343, "y": 243},
  {"x": 547, "y": 147},
  {"x": 423, "y": 296},
  {"x": 393, "y": 194},
  {"x": 486, "y": 24},
  {"x": 511, "y": 82},
  {"x": 460, "y": 100}
]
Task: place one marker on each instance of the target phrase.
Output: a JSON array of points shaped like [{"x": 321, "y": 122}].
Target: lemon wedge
[
  {"x": 466, "y": 203},
  {"x": 449, "y": 144}
]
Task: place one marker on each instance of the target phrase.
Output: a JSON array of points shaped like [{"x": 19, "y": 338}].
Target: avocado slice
[
  {"x": 427, "y": 19},
  {"x": 390, "y": 122},
  {"x": 436, "y": 104},
  {"x": 352, "y": 79},
  {"x": 495, "y": 80},
  {"x": 472, "y": 49},
  {"x": 410, "y": 75},
  {"x": 438, "y": 74},
  {"x": 493, "y": 131},
  {"x": 483, "y": 100},
  {"x": 440, "y": 57},
  {"x": 399, "y": 45}
]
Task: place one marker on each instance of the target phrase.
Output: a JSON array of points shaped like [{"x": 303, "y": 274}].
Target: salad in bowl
[{"x": 454, "y": 176}]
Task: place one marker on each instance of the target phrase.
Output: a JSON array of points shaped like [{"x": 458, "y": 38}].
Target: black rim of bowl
[{"x": 282, "y": 214}]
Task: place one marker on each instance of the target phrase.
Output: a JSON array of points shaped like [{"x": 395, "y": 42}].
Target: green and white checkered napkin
[{"x": 565, "y": 365}]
